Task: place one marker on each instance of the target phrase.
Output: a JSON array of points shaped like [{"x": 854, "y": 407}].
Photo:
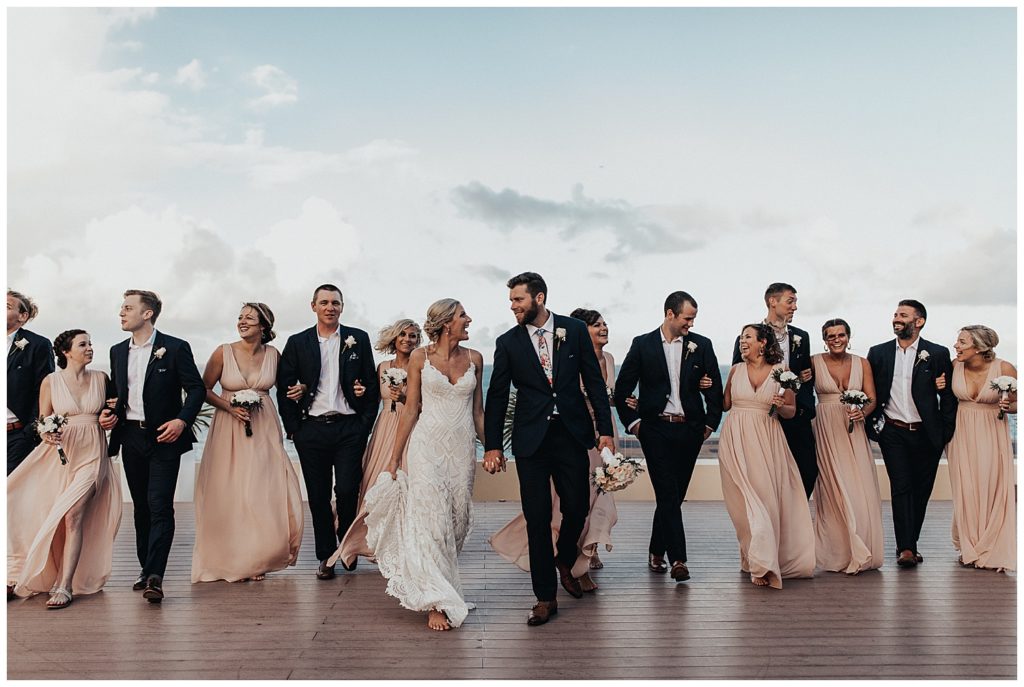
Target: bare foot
[
  {"x": 760, "y": 581},
  {"x": 595, "y": 564},
  {"x": 258, "y": 578},
  {"x": 437, "y": 620},
  {"x": 587, "y": 583}
]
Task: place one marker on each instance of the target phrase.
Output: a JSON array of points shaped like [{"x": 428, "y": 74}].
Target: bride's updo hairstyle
[
  {"x": 62, "y": 344},
  {"x": 439, "y": 314},
  {"x": 266, "y": 318},
  {"x": 765, "y": 334}
]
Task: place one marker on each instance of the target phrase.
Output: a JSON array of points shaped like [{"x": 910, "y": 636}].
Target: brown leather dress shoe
[
  {"x": 906, "y": 559},
  {"x": 324, "y": 571},
  {"x": 542, "y": 612},
  {"x": 680, "y": 573},
  {"x": 656, "y": 564},
  {"x": 569, "y": 583},
  {"x": 154, "y": 591}
]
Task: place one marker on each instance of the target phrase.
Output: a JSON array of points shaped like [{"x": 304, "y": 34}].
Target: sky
[{"x": 407, "y": 155}]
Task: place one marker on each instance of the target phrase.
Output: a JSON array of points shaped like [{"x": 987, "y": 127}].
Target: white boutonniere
[
  {"x": 559, "y": 336},
  {"x": 20, "y": 344},
  {"x": 691, "y": 347},
  {"x": 159, "y": 353},
  {"x": 796, "y": 340},
  {"x": 922, "y": 357},
  {"x": 350, "y": 342}
]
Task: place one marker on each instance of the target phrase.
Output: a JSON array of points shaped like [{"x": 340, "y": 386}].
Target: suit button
[
  {"x": 554, "y": 395},
  {"x": 668, "y": 395}
]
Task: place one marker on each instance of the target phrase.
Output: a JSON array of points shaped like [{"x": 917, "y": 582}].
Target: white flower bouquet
[
  {"x": 53, "y": 424},
  {"x": 616, "y": 474},
  {"x": 1005, "y": 385},
  {"x": 854, "y": 399},
  {"x": 394, "y": 377},
  {"x": 251, "y": 401},
  {"x": 786, "y": 380}
]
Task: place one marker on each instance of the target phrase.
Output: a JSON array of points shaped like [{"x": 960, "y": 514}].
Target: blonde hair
[
  {"x": 26, "y": 306},
  {"x": 388, "y": 335},
  {"x": 984, "y": 338},
  {"x": 439, "y": 314}
]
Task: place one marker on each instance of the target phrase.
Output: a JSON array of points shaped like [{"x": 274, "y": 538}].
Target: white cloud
[
  {"x": 279, "y": 88},
  {"x": 191, "y": 75}
]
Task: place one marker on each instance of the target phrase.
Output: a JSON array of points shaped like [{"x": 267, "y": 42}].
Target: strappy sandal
[{"x": 64, "y": 594}]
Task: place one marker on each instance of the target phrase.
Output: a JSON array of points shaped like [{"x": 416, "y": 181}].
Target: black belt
[
  {"x": 329, "y": 419},
  {"x": 137, "y": 424}
]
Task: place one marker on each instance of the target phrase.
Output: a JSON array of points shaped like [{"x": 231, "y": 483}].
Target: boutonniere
[
  {"x": 559, "y": 336},
  {"x": 159, "y": 353},
  {"x": 20, "y": 344},
  {"x": 350, "y": 342},
  {"x": 690, "y": 348},
  {"x": 796, "y": 340},
  {"x": 922, "y": 357}
]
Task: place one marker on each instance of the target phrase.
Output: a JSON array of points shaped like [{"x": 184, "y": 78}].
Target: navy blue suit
[{"x": 27, "y": 366}]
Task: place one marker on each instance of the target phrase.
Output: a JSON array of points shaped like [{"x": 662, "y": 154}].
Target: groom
[
  {"x": 152, "y": 427},
  {"x": 327, "y": 395},
  {"x": 546, "y": 356}
]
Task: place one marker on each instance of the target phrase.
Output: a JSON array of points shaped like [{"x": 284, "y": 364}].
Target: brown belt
[
  {"x": 11, "y": 426},
  {"x": 910, "y": 426},
  {"x": 665, "y": 417}
]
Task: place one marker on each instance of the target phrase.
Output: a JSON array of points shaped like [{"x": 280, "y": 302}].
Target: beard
[
  {"x": 530, "y": 314},
  {"x": 907, "y": 332}
]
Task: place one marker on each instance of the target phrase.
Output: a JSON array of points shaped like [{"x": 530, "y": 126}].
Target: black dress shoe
[
  {"x": 352, "y": 567},
  {"x": 918, "y": 557},
  {"x": 656, "y": 564},
  {"x": 140, "y": 583},
  {"x": 680, "y": 573},
  {"x": 569, "y": 583},
  {"x": 154, "y": 591},
  {"x": 906, "y": 559},
  {"x": 324, "y": 571}
]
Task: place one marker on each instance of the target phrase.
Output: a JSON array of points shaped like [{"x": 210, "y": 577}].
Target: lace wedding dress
[{"x": 417, "y": 523}]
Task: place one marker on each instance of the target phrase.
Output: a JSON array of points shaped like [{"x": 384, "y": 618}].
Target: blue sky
[{"x": 864, "y": 155}]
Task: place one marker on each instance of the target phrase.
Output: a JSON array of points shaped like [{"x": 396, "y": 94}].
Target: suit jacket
[
  {"x": 300, "y": 361},
  {"x": 936, "y": 408},
  {"x": 26, "y": 369},
  {"x": 172, "y": 389},
  {"x": 799, "y": 360},
  {"x": 516, "y": 362},
  {"x": 645, "y": 363}
]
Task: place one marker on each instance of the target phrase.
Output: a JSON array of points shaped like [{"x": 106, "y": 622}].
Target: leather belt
[
  {"x": 328, "y": 419},
  {"x": 666, "y": 417},
  {"x": 12, "y": 426},
  {"x": 909, "y": 426},
  {"x": 137, "y": 424}
]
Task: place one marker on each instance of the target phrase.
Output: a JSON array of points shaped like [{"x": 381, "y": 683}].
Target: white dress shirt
[
  {"x": 548, "y": 326},
  {"x": 11, "y": 417},
  {"x": 329, "y": 397},
  {"x": 901, "y": 401},
  {"x": 674, "y": 361},
  {"x": 138, "y": 361}
]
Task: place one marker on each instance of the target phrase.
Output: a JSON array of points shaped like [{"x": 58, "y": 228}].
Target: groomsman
[
  {"x": 547, "y": 356},
  {"x": 912, "y": 422},
  {"x": 159, "y": 393},
  {"x": 327, "y": 394},
  {"x": 796, "y": 353},
  {"x": 671, "y": 419},
  {"x": 29, "y": 360}
]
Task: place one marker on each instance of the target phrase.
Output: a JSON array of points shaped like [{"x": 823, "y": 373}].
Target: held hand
[
  {"x": 494, "y": 461},
  {"x": 855, "y": 414},
  {"x": 394, "y": 393},
  {"x": 111, "y": 403},
  {"x": 358, "y": 389},
  {"x": 241, "y": 414},
  {"x": 107, "y": 420},
  {"x": 392, "y": 468},
  {"x": 1004, "y": 405},
  {"x": 806, "y": 375},
  {"x": 940, "y": 382},
  {"x": 632, "y": 402},
  {"x": 52, "y": 438},
  {"x": 704, "y": 383},
  {"x": 168, "y": 432},
  {"x": 707, "y": 433},
  {"x": 605, "y": 442},
  {"x": 296, "y": 392},
  {"x": 778, "y": 401}
]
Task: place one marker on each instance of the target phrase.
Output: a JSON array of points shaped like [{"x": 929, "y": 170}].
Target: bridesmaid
[
  {"x": 248, "y": 503},
  {"x": 62, "y": 519},
  {"x": 761, "y": 485},
  {"x": 510, "y": 541},
  {"x": 399, "y": 339},
  {"x": 980, "y": 455},
  {"x": 848, "y": 526}
]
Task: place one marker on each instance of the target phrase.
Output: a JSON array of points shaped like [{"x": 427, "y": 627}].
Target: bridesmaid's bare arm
[
  {"x": 478, "y": 394},
  {"x": 727, "y": 393},
  {"x": 46, "y": 408},
  {"x": 1008, "y": 370},
  {"x": 869, "y": 388},
  {"x": 411, "y": 411},
  {"x": 787, "y": 409},
  {"x": 211, "y": 375}
]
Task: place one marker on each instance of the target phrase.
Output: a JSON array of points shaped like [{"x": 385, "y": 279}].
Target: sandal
[
  {"x": 10, "y": 592},
  {"x": 64, "y": 599}
]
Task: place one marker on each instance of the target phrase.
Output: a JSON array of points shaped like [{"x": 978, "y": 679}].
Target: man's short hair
[
  {"x": 26, "y": 306},
  {"x": 327, "y": 287},
  {"x": 675, "y": 301},
  {"x": 149, "y": 300},
  {"x": 777, "y": 289},
  {"x": 918, "y": 307},
  {"x": 534, "y": 283}
]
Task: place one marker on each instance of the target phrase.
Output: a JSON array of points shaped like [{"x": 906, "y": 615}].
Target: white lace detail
[{"x": 417, "y": 523}]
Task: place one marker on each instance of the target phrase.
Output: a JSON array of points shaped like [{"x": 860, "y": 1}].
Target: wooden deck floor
[{"x": 936, "y": 621}]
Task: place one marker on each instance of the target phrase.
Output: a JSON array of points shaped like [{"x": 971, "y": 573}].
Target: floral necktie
[{"x": 545, "y": 357}]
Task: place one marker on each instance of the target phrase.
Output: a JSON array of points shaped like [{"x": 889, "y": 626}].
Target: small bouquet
[
  {"x": 854, "y": 399},
  {"x": 394, "y": 376},
  {"x": 1005, "y": 385},
  {"x": 251, "y": 401},
  {"x": 52, "y": 424},
  {"x": 617, "y": 473},
  {"x": 786, "y": 380}
]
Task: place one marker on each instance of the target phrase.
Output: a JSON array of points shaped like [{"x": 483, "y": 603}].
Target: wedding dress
[{"x": 418, "y": 522}]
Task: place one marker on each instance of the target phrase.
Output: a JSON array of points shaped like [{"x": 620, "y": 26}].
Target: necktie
[{"x": 545, "y": 357}]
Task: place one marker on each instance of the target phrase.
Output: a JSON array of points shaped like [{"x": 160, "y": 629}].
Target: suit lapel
[
  {"x": 558, "y": 346},
  {"x": 657, "y": 352},
  {"x": 12, "y": 354},
  {"x": 313, "y": 350},
  {"x": 157, "y": 345},
  {"x": 121, "y": 362}
]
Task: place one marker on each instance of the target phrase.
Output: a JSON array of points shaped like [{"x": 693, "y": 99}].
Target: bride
[{"x": 417, "y": 522}]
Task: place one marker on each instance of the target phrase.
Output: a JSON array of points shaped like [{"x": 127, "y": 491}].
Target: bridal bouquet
[
  {"x": 251, "y": 401},
  {"x": 617, "y": 473},
  {"x": 786, "y": 380},
  {"x": 394, "y": 376},
  {"x": 854, "y": 399},
  {"x": 1005, "y": 385},
  {"x": 52, "y": 424}
]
